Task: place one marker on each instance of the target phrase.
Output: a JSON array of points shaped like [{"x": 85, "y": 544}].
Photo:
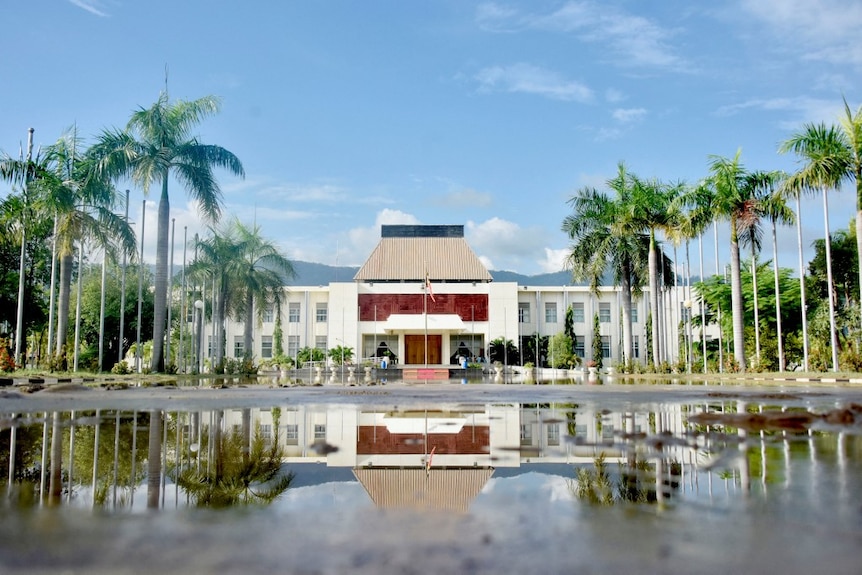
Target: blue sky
[{"x": 349, "y": 115}]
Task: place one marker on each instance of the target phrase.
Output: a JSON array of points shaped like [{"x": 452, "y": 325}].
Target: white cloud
[
  {"x": 554, "y": 260},
  {"x": 91, "y": 6},
  {"x": 465, "y": 198},
  {"x": 635, "y": 40},
  {"x": 506, "y": 243},
  {"x": 628, "y": 115},
  {"x": 826, "y": 30},
  {"x": 613, "y": 95},
  {"x": 801, "y": 109},
  {"x": 363, "y": 240},
  {"x": 530, "y": 79}
]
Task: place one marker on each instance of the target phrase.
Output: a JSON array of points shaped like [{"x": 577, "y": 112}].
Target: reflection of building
[
  {"x": 423, "y": 296},
  {"x": 493, "y": 435}
]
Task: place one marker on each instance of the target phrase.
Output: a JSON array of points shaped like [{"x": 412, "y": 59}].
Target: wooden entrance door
[{"x": 414, "y": 349}]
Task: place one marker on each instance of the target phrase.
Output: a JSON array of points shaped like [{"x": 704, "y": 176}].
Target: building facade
[{"x": 424, "y": 297}]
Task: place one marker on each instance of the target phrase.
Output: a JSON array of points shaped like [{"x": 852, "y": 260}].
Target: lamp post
[{"x": 199, "y": 326}]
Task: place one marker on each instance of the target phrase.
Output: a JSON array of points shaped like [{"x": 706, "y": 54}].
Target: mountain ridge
[{"x": 311, "y": 273}]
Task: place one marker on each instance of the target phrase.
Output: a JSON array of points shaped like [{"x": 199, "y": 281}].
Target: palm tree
[
  {"x": 851, "y": 127},
  {"x": 604, "y": 237},
  {"x": 156, "y": 145},
  {"x": 261, "y": 272},
  {"x": 734, "y": 201},
  {"x": 775, "y": 209},
  {"x": 826, "y": 162},
  {"x": 83, "y": 201},
  {"x": 652, "y": 210},
  {"x": 217, "y": 259}
]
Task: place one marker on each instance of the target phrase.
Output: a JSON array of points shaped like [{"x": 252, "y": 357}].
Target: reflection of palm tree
[{"x": 236, "y": 478}]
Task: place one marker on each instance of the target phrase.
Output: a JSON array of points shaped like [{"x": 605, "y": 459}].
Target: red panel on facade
[
  {"x": 378, "y": 441},
  {"x": 378, "y": 307}
]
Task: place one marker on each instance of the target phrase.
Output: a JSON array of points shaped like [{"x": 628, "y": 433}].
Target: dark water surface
[{"x": 436, "y": 478}]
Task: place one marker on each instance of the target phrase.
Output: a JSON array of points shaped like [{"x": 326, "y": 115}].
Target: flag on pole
[
  {"x": 428, "y": 287},
  {"x": 428, "y": 463}
]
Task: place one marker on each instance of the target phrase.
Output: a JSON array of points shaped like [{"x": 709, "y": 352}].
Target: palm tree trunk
[
  {"x": 736, "y": 299},
  {"x": 160, "y": 295},
  {"x": 756, "y": 312},
  {"x": 248, "y": 328},
  {"x": 718, "y": 311},
  {"x": 702, "y": 306},
  {"x": 777, "y": 298},
  {"x": 66, "y": 264},
  {"x": 154, "y": 460},
  {"x": 626, "y": 293},
  {"x": 833, "y": 334},
  {"x": 859, "y": 238},
  {"x": 802, "y": 283},
  {"x": 653, "y": 297},
  {"x": 55, "y": 483}
]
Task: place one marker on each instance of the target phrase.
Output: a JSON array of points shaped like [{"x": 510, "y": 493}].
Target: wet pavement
[{"x": 436, "y": 477}]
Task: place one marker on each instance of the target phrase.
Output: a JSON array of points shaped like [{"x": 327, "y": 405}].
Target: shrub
[{"x": 121, "y": 368}]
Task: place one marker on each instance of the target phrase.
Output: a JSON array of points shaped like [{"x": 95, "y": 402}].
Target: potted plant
[{"x": 592, "y": 367}]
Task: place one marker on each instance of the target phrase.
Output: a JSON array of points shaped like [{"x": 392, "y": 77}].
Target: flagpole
[{"x": 425, "y": 303}]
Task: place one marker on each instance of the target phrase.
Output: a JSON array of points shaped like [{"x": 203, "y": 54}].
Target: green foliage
[
  {"x": 560, "y": 353},
  {"x": 121, "y": 368},
  {"x": 503, "y": 350},
  {"x": 307, "y": 354},
  {"x": 597, "y": 341},
  {"x": 7, "y": 362},
  {"x": 341, "y": 354}
]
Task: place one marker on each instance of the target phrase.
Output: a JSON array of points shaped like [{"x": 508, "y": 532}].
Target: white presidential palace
[{"x": 424, "y": 297}]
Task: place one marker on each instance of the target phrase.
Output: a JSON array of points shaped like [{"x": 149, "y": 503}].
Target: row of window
[
  {"x": 321, "y": 313},
  {"x": 577, "y": 312}
]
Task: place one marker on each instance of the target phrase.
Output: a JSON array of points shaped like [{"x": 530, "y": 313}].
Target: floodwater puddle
[{"x": 613, "y": 480}]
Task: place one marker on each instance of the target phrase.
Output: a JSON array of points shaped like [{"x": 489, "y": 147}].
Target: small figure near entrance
[{"x": 384, "y": 362}]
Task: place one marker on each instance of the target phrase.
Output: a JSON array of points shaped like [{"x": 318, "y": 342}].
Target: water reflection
[{"x": 439, "y": 457}]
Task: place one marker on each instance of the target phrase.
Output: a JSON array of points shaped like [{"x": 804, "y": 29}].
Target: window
[
  {"x": 634, "y": 314},
  {"x": 291, "y": 434},
  {"x": 292, "y": 345},
  {"x": 606, "y": 347},
  {"x": 636, "y": 346},
  {"x": 605, "y": 312},
  {"x": 550, "y": 312},
  {"x": 524, "y": 312},
  {"x": 266, "y": 431},
  {"x": 238, "y": 346},
  {"x": 268, "y": 314},
  {"x": 553, "y": 434},
  {"x": 266, "y": 346},
  {"x": 526, "y": 434},
  {"x": 320, "y": 342},
  {"x": 293, "y": 313},
  {"x": 209, "y": 346},
  {"x": 320, "y": 313},
  {"x": 319, "y": 431},
  {"x": 578, "y": 312},
  {"x": 579, "y": 345}
]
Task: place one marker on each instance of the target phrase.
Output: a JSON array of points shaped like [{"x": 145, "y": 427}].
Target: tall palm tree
[
  {"x": 157, "y": 144},
  {"x": 83, "y": 201},
  {"x": 773, "y": 206},
  {"x": 604, "y": 237},
  {"x": 735, "y": 202},
  {"x": 218, "y": 255},
  {"x": 652, "y": 209},
  {"x": 826, "y": 161},
  {"x": 261, "y": 272},
  {"x": 851, "y": 127}
]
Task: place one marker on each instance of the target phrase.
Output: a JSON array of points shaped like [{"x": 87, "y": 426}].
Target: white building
[{"x": 425, "y": 296}]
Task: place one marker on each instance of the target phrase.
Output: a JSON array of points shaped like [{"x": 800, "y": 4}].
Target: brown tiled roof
[
  {"x": 410, "y": 258},
  {"x": 441, "y": 489}
]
